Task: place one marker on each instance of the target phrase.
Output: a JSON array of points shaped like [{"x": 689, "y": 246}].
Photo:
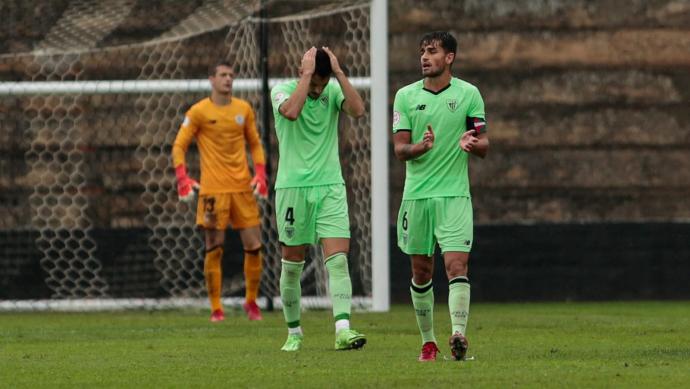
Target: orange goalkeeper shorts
[{"x": 216, "y": 210}]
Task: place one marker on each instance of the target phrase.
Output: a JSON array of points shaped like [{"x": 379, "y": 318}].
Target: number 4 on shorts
[{"x": 290, "y": 216}]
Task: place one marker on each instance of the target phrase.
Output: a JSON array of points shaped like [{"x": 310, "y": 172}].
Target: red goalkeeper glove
[
  {"x": 259, "y": 180},
  {"x": 185, "y": 185}
]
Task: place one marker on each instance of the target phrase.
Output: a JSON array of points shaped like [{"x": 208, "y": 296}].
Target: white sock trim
[{"x": 342, "y": 324}]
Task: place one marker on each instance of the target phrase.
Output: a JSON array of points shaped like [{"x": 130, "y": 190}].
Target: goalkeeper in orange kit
[{"x": 224, "y": 126}]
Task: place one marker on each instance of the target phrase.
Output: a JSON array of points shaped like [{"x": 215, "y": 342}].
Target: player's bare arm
[
  {"x": 475, "y": 144},
  {"x": 292, "y": 107},
  {"x": 405, "y": 150},
  {"x": 353, "y": 104}
]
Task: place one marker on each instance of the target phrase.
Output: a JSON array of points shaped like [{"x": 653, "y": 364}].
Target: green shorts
[
  {"x": 448, "y": 220},
  {"x": 307, "y": 214}
]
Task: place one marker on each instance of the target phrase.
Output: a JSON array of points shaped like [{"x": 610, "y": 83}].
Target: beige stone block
[{"x": 649, "y": 48}]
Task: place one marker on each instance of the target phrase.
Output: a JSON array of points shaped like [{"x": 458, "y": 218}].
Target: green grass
[{"x": 633, "y": 344}]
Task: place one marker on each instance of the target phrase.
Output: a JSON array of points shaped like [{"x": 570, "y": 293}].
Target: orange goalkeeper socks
[
  {"x": 214, "y": 276},
  {"x": 253, "y": 266}
]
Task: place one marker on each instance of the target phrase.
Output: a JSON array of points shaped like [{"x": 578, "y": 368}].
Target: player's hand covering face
[
  {"x": 308, "y": 61},
  {"x": 335, "y": 65}
]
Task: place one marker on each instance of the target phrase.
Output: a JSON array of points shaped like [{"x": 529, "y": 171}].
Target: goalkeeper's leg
[
  {"x": 213, "y": 271},
  {"x": 253, "y": 266}
]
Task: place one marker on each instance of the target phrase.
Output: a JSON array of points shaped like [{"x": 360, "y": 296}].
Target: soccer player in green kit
[
  {"x": 437, "y": 122},
  {"x": 311, "y": 203}
]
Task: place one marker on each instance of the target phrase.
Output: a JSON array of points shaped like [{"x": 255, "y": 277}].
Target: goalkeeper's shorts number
[{"x": 209, "y": 204}]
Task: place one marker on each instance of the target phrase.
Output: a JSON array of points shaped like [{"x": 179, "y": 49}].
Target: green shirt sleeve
[
  {"x": 401, "y": 121},
  {"x": 279, "y": 94},
  {"x": 476, "y": 108},
  {"x": 338, "y": 97}
]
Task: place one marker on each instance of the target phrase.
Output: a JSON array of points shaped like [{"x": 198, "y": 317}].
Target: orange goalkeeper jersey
[{"x": 222, "y": 134}]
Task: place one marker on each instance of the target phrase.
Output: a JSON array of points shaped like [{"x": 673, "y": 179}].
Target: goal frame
[{"x": 379, "y": 131}]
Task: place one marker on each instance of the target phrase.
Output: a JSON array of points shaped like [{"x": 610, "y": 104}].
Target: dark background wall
[
  {"x": 588, "y": 104},
  {"x": 584, "y": 194}
]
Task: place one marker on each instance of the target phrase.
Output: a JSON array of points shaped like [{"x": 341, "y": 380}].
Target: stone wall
[{"x": 588, "y": 104}]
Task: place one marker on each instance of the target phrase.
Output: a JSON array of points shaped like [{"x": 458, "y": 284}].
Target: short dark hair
[
  {"x": 214, "y": 66},
  {"x": 444, "y": 38},
  {"x": 323, "y": 64}
]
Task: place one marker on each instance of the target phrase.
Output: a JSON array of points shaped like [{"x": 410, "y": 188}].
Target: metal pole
[
  {"x": 380, "y": 129},
  {"x": 266, "y": 110}
]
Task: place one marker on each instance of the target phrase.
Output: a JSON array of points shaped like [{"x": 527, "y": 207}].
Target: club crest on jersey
[
  {"x": 452, "y": 104},
  {"x": 396, "y": 118},
  {"x": 324, "y": 100},
  {"x": 289, "y": 232},
  {"x": 239, "y": 119}
]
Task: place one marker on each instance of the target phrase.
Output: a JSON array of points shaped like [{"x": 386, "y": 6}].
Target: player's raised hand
[
  {"x": 259, "y": 181},
  {"x": 335, "y": 65},
  {"x": 468, "y": 141},
  {"x": 309, "y": 61},
  {"x": 428, "y": 138},
  {"x": 185, "y": 185}
]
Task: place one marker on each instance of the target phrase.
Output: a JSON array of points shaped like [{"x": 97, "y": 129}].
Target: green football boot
[
  {"x": 293, "y": 343},
  {"x": 349, "y": 340}
]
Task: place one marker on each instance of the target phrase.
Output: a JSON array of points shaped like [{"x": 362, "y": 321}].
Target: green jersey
[
  {"x": 308, "y": 146},
  {"x": 441, "y": 171}
]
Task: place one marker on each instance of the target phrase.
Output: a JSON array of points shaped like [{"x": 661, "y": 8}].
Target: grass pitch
[{"x": 631, "y": 344}]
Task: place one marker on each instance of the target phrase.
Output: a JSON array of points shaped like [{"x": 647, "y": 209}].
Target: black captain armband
[{"x": 476, "y": 124}]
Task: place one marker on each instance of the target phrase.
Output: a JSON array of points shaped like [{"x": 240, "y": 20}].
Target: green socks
[
  {"x": 291, "y": 291},
  {"x": 423, "y": 302},
  {"x": 459, "y": 303},
  {"x": 340, "y": 286}
]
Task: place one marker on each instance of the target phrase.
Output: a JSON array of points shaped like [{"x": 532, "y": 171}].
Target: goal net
[{"x": 89, "y": 216}]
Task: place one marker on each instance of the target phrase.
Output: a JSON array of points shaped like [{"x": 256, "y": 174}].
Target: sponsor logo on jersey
[
  {"x": 421, "y": 107},
  {"x": 452, "y": 104},
  {"x": 324, "y": 100},
  {"x": 239, "y": 119},
  {"x": 396, "y": 118}
]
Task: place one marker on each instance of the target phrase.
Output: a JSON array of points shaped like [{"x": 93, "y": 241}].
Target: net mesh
[{"x": 89, "y": 207}]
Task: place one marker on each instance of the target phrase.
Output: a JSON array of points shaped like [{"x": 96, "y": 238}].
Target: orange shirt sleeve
[
  {"x": 184, "y": 138},
  {"x": 251, "y": 134}
]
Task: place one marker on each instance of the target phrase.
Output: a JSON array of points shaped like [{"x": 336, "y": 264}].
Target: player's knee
[
  {"x": 215, "y": 238},
  {"x": 421, "y": 278},
  {"x": 253, "y": 251},
  {"x": 456, "y": 269},
  {"x": 421, "y": 274},
  {"x": 293, "y": 253}
]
